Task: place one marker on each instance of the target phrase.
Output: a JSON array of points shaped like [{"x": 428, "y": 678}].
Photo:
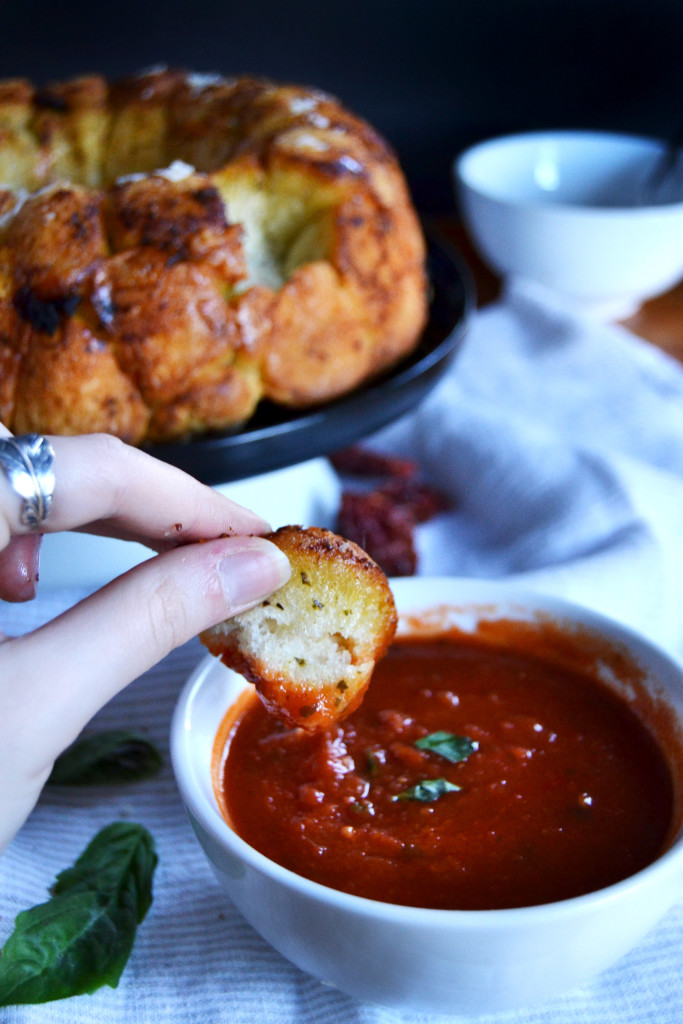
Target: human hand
[{"x": 54, "y": 680}]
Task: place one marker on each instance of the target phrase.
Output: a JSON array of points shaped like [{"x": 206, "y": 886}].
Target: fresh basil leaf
[
  {"x": 121, "y": 855},
  {"x": 428, "y": 790},
  {"x": 104, "y": 757},
  {"x": 82, "y": 937},
  {"x": 447, "y": 744}
]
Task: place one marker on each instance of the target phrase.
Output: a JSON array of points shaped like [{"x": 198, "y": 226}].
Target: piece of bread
[
  {"x": 311, "y": 647},
  {"x": 175, "y": 248}
]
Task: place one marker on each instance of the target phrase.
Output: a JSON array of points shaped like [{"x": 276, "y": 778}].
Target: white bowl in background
[
  {"x": 594, "y": 217},
  {"x": 441, "y": 961}
]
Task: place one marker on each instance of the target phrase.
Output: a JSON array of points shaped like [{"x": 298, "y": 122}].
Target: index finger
[{"x": 108, "y": 487}]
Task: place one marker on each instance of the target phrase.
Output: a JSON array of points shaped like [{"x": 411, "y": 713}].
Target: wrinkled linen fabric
[{"x": 560, "y": 443}]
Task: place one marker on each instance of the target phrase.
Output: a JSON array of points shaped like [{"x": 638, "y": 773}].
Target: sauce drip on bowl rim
[{"x": 480, "y": 772}]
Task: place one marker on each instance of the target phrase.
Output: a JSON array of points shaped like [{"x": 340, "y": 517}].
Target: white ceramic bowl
[
  {"x": 431, "y": 960},
  {"x": 587, "y": 215}
]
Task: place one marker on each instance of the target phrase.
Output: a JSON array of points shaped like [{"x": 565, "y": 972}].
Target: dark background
[{"x": 432, "y": 75}]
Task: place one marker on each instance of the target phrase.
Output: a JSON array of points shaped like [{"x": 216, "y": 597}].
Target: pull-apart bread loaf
[
  {"x": 311, "y": 647},
  {"x": 175, "y": 248}
]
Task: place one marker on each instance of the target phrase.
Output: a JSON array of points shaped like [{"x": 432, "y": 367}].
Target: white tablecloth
[{"x": 560, "y": 442}]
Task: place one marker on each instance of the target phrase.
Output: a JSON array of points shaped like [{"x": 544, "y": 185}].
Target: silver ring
[{"x": 28, "y": 464}]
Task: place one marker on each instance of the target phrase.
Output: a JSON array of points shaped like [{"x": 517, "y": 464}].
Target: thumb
[{"x": 73, "y": 665}]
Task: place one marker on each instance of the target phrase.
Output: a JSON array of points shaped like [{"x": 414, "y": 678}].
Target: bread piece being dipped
[{"x": 310, "y": 648}]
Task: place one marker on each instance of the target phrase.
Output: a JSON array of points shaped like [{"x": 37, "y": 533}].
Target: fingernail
[
  {"x": 27, "y": 554},
  {"x": 250, "y": 574}
]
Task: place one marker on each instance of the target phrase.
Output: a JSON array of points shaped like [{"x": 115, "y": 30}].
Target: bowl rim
[
  {"x": 593, "y": 136},
  {"x": 207, "y": 813}
]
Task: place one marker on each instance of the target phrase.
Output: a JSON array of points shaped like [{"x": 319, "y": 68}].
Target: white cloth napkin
[{"x": 561, "y": 443}]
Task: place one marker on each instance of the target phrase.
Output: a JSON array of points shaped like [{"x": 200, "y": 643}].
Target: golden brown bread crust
[
  {"x": 310, "y": 648},
  {"x": 278, "y": 256}
]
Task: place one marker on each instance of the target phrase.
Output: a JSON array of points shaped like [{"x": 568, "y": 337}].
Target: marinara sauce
[{"x": 560, "y": 789}]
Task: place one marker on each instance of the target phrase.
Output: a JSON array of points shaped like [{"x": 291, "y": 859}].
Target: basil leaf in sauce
[
  {"x": 106, "y": 757},
  {"x": 82, "y": 937},
  {"x": 447, "y": 744},
  {"x": 428, "y": 790}
]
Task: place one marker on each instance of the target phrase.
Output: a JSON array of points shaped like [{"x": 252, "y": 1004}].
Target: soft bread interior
[
  {"x": 286, "y": 224},
  {"x": 310, "y": 648}
]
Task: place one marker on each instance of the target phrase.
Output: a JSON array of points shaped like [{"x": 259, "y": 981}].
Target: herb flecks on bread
[{"x": 310, "y": 648}]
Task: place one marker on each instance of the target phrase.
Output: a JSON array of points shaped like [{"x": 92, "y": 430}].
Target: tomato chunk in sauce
[{"x": 560, "y": 789}]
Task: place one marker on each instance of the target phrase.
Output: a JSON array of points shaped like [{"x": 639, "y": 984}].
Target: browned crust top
[
  {"x": 316, "y": 542},
  {"x": 200, "y": 313}
]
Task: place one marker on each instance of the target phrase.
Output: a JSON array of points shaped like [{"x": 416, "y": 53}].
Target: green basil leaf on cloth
[
  {"x": 82, "y": 937},
  {"x": 112, "y": 756}
]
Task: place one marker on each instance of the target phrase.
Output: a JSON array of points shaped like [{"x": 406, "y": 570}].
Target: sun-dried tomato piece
[
  {"x": 423, "y": 501},
  {"x": 383, "y": 529},
  {"x": 357, "y": 461},
  {"x": 383, "y": 520}
]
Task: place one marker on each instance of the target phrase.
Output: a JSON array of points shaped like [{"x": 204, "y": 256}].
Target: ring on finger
[{"x": 28, "y": 463}]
